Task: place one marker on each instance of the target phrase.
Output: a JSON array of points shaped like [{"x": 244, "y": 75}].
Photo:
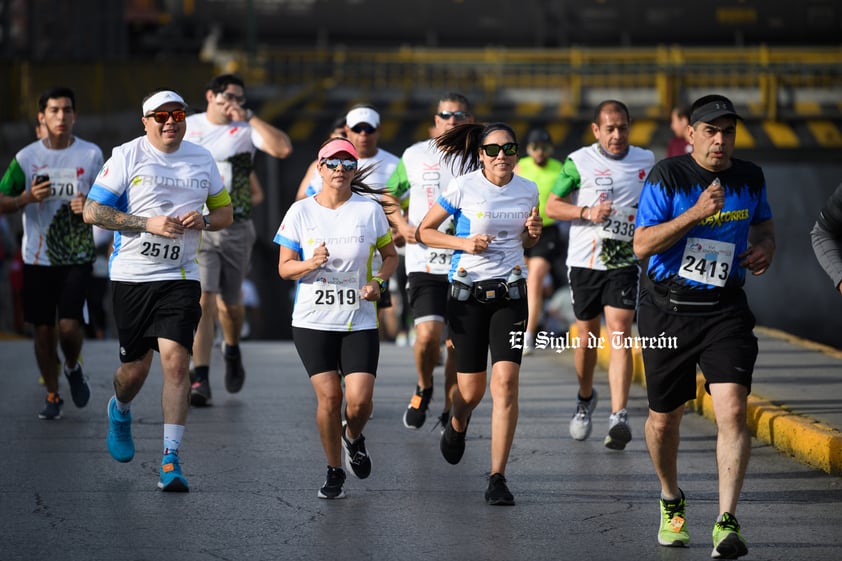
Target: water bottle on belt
[
  {"x": 461, "y": 285},
  {"x": 516, "y": 283}
]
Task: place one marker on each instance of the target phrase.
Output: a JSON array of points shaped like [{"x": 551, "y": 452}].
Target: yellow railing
[
  {"x": 766, "y": 77},
  {"x": 766, "y": 73}
]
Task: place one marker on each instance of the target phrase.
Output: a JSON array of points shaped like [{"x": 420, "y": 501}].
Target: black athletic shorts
[
  {"x": 51, "y": 289},
  {"x": 144, "y": 311},
  {"x": 428, "y": 296},
  {"x": 474, "y": 327},
  {"x": 548, "y": 246},
  {"x": 723, "y": 346},
  {"x": 591, "y": 290},
  {"x": 344, "y": 351}
]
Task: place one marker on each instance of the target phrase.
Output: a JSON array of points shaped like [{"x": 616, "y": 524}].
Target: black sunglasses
[
  {"x": 509, "y": 149},
  {"x": 458, "y": 115},
  {"x": 333, "y": 163},
  {"x": 364, "y": 127},
  {"x": 162, "y": 117}
]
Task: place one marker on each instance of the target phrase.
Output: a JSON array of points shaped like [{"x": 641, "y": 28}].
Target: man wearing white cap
[
  {"x": 151, "y": 192},
  {"x": 232, "y": 133}
]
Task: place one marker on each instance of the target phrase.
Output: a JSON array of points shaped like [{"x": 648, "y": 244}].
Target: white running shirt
[
  {"x": 420, "y": 177},
  {"x": 140, "y": 180},
  {"x": 232, "y": 145},
  {"x": 328, "y": 299},
  {"x": 606, "y": 245},
  {"x": 52, "y": 233},
  {"x": 480, "y": 207}
]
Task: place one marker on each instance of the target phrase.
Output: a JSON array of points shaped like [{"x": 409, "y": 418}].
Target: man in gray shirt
[{"x": 827, "y": 238}]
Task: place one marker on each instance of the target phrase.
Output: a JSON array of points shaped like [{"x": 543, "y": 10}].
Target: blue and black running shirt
[{"x": 708, "y": 255}]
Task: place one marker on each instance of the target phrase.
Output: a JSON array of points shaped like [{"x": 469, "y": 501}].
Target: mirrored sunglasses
[
  {"x": 333, "y": 163},
  {"x": 458, "y": 115},
  {"x": 509, "y": 149},
  {"x": 162, "y": 117}
]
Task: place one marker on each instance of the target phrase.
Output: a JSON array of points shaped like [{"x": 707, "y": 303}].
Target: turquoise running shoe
[
  {"x": 120, "y": 443},
  {"x": 171, "y": 478}
]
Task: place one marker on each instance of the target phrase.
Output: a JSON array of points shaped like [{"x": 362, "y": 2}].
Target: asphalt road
[{"x": 254, "y": 464}]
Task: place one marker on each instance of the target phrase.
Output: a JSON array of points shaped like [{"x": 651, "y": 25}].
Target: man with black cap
[
  {"x": 539, "y": 166},
  {"x": 703, "y": 221},
  {"x": 151, "y": 192}
]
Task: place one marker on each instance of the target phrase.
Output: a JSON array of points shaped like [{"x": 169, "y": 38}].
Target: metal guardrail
[
  {"x": 768, "y": 76},
  {"x": 768, "y": 82}
]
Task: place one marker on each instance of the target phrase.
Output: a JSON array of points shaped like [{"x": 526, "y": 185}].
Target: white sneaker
[
  {"x": 619, "y": 432},
  {"x": 580, "y": 424}
]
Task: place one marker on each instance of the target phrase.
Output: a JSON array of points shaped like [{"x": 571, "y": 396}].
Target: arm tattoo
[{"x": 112, "y": 219}]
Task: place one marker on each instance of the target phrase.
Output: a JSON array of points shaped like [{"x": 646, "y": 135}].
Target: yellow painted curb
[{"x": 811, "y": 442}]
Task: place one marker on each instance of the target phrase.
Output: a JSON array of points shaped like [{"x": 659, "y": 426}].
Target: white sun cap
[
  {"x": 362, "y": 115},
  {"x": 162, "y": 98}
]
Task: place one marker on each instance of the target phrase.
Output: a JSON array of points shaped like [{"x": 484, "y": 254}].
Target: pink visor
[{"x": 336, "y": 146}]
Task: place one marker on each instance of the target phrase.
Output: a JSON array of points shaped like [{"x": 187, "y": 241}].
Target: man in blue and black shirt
[{"x": 702, "y": 222}]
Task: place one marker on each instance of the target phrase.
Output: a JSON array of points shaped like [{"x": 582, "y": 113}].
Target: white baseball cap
[
  {"x": 162, "y": 98},
  {"x": 362, "y": 115}
]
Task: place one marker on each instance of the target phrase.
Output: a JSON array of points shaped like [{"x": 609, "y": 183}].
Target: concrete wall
[{"x": 796, "y": 295}]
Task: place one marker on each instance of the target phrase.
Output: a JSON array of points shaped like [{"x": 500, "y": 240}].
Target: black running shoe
[
  {"x": 357, "y": 459},
  {"x": 416, "y": 411},
  {"x": 497, "y": 493},
  {"x": 332, "y": 489},
  {"x": 442, "y": 421},
  {"x": 200, "y": 393},
  {"x": 235, "y": 374},
  {"x": 52, "y": 407},
  {"x": 452, "y": 443},
  {"x": 80, "y": 391}
]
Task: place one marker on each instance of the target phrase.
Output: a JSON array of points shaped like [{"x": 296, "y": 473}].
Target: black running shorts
[
  {"x": 48, "y": 289},
  {"x": 428, "y": 296},
  {"x": 145, "y": 311},
  {"x": 592, "y": 290},
  {"x": 343, "y": 351},
  {"x": 474, "y": 327},
  {"x": 723, "y": 346}
]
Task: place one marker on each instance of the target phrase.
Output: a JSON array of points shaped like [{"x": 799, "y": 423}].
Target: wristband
[
  {"x": 249, "y": 114},
  {"x": 582, "y": 213}
]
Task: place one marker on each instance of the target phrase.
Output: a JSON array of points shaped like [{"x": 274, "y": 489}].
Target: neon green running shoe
[
  {"x": 728, "y": 543},
  {"x": 673, "y": 531}
]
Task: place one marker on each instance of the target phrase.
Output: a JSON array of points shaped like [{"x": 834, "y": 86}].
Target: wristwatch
[
  {"x": 383, "y": 284},
  {"x": 207, "y": 221}
]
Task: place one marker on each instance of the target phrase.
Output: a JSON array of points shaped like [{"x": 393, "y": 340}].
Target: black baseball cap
[
  {"x": 711, "y": 107},
  {"x": 538, "y": 136}
]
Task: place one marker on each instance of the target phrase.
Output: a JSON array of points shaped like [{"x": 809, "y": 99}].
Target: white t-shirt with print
[
  {"x": 423, "y": 176},
  {"x": 328, "y": 299},
  {"x": 481, "y": 207},
  {"x": 71, "y": 170},
  {"x": 140, "y": 180},
  {"x": 619, "y": 181}
]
